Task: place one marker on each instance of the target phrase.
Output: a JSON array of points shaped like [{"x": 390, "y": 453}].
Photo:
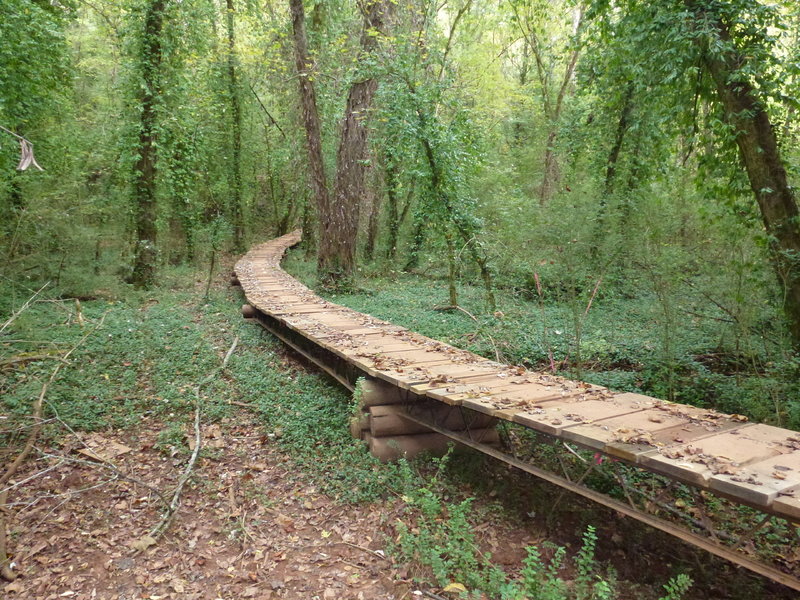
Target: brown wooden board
[
  {"x": 788, "y": 504},
  {"x": 554, "y": 416},
  {"x": 760, "y": 483},
  {"x": 530, "y": 393},
  {"x": 438, "y": 391},
  {"x": 698, "y": 461},
  {"x": 754, "y": 463}
]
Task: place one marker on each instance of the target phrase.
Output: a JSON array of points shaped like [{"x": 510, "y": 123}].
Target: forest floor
[
  {"x": 248, "y": 526},
  {"x": 282, "y": 503}
]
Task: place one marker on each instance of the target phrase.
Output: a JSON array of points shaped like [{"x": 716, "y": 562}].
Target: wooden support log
[
  {"x": 375, "y": 392},
  {"x": 387, "y": 449},
  {"x": 249, "y": 311},
  {"x": 388, "y": 420},
  {"x": 359, "y": 424}
]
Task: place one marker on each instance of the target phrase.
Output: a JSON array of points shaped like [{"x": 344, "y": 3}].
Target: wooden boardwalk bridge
[{"x": 436, "y": 390}]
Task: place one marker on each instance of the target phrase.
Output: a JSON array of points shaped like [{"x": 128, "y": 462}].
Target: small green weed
[{"x": 171, "y": 439}]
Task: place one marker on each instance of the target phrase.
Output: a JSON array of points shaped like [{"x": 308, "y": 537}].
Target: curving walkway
[{"x": 753, "y": 464}]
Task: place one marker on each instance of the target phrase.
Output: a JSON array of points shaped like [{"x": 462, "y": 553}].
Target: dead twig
[
  {"x": 498, "y": 357},
  {"x": 363, "y": 549},
  {"x": 6, "y": 572},
  {"x": 229, "y": 353},
  {"x": 36, "y": 475},
  {"x": 118, "y": 473},
  {"x": 163, "y": 525},
  {"x": 16, "y": 360},
  {"x": 23, "y": 308},
  {"x": 242, "y": 404}
]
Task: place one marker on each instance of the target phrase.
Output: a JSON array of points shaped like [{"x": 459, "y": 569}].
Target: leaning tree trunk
[
  {"x": 758, "y": 148},
  {"x": 392, "y": 210},
  {"x": 235, "y": 206},
  {"x": 144, "y": 266}
]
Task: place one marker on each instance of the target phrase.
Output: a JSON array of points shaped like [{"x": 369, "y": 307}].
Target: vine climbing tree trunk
[
  {"x": 235, "y": 206},
  {"x": 151, "y": 50},
  {"x": 760, "y": 154}
]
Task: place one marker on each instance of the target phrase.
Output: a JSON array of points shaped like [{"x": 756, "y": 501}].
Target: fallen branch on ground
[
  {"x": 30, "y": 358},
  {"x": 166, "y": 520},
  {"x": 23, "y": 308}
]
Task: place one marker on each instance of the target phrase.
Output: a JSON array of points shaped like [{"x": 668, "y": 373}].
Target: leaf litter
[{"x": 248, "y": 527}]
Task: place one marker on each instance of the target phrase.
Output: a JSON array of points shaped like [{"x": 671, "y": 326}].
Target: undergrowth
[{"x": 439, "y": 537}]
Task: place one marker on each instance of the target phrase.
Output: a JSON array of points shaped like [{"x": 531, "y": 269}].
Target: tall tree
[
  {"x": 338, "y": 213},
  {"x": 339, "y": 226},
  {"x": 309, "y": 112},
  {"x": 745, "y": 109},
  {"x": 235, "y": 206},
  {"x": 144, "y": 176},
  {"x": 531, "y": 16}
]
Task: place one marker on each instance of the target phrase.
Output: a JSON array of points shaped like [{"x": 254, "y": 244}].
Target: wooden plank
[
  {"x": 419, "y": 357},
  {"x": 436, "y": 391},
  {"x": 697, "y": 462},
  {"x": 760, "y": 483},
  {"x": 624, "y": 435},
  {"x": 787, "y": 504},
  {"x": 527, "y": 394},
  {"x": 553, "y": 417},
  {"x": 687, "y": 443}
]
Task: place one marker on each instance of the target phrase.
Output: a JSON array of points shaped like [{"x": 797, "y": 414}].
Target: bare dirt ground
[{"x": 248, "y": 526}]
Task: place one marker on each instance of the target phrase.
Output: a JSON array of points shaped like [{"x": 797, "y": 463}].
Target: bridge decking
[{"x": 755, "y": 464}]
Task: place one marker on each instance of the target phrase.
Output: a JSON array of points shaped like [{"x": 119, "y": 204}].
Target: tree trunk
[
  {"x": 373, "y": 225},
  {"x": 392, "y": 210},
  {"x": 336, "y": 259},
  {"x": 308, "y": 103},
  {"x": 235, "y": 206},
  {"x": 623, "y": 125},
  {"x": 144, "y": 266},
  {"x": 451, "y": 270},
  {"x": 417, "y": 240},
  {"x": 622, "y": 128},
  {"x": 552, "y": 173},
  {"x": 339, "y": 225},
  {"x": 760, "y": 154}
]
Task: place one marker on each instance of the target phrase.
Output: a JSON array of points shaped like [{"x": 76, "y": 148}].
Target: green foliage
[
  {"x": 438, "y": 535},
  {"x": 677, "y": 587}
]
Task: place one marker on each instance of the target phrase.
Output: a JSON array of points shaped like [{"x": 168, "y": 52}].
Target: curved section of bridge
[{"x": 755, "y": 465}]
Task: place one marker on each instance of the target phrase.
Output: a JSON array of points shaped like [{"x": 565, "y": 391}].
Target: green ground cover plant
[{"x": 439, "y": 537}]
